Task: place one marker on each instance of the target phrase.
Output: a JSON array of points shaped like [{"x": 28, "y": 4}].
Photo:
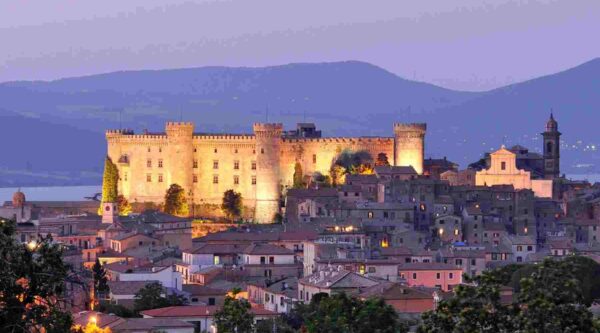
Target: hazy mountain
[{"x": 60, "y": 123}]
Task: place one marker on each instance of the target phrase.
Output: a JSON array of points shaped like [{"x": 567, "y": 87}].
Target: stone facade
[{"x": 258, "y": 165}]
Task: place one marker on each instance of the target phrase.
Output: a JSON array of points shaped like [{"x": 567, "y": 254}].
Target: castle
[{"x": 258, "y": 165}]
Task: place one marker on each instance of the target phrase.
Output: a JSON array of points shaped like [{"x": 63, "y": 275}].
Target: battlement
[
  {"x": 125, "y": 131},
  {"x": 410, "y": 127},
  {"x": 223, "y": 137},
  {"x": 340, "y": 139},
  {"x": 179, "y": 124}
]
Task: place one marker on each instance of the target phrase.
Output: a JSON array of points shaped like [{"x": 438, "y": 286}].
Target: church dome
[
  {"x": 18, "y": 199},
  {"x": 551, "y": 125}
]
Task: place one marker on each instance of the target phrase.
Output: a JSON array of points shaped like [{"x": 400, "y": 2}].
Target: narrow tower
[
  {"x": 268, "y": 146},
  {"x": 551, "y": 149},
  {"x": 180, "y": 154},
  {"x": 409, "y": 145}
]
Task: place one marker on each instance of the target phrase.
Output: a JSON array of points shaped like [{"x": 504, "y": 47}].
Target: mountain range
[{"x": 52, "y": 133}]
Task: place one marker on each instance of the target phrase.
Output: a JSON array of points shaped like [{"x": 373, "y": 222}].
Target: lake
[{"x": 53, "y": 193}]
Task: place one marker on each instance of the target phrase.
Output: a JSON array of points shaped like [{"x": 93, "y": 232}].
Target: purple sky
[{"x": 467, "y": 45}]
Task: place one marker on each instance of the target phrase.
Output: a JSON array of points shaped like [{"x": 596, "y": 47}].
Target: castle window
[
  {"x": 195, "y": 178},
  {"x": 160, "y": 149},
  {"x": 236, "y": 180},
  {"x": 195, "y": 150},
  {"x": 253, "y": 180},
  {"x": 253, "y": 165},
  {"x": 160, "y": 163},
  {"x": 503, "y": 165},
  {"x": 149, "y": 178},
  {"x": 262, "y": 150},
  {"x": 195, "y": 166},
  {"x": 236, "y": 165},
  {"x": 235, "y": 151},
  {"x": 148, "y": 149},
  {"x": 149, "y": 163},
  {"x": 549, "y": 147},
  {"x": 215, "y": 164},
  {"x": 160, "y": 178},
  {"x": 315, "y": 158},
  {"x": 215, "y": 179},
  {"x": 215, "y": 150}
]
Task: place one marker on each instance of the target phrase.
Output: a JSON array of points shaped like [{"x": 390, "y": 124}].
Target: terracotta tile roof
[
  {"x": 200, "y": 290},
  {"x": 150, "y": 325},
  {"x": 396, "y": 291},
  {"x": 218, "y": 249},
  {"x": 396, "y": 251},
  {"x": 267, "y": 249},
  {"x": 395, "y": 170}
]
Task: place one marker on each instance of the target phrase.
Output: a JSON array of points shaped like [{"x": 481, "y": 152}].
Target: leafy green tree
[
  {"x": 273, "y": 325},
  {"x": 337, "y": 174},
  {"x": 124, "y": 205},
  {"x": 382, "y": 160},
  {"x": 176, "y": 201},
  {"x": 100, "y": 280},
  {"x": 298, "y": 176},
  {"x": 234, "y": 316},
  {"x": 32, "y": 280},
  {"x": 342, "y": 313},
  {"x": 549, "y": 301},
  {"x": 110, "y": 183},
  {"x": 151, "y": 297},
  {"x": 232, "y": 204}
]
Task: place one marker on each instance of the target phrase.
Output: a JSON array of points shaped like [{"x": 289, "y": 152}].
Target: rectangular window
[
  {"x": 160, "y": 163},
  {"x": 314, "y": 158},
  {"x": 195, "y": 178},
  {"x": 438, "y": 276},
  {"x": 263, "y": 260},
  {"x": 195, "y": 166},
  {"x": 503, "y": 165},
  {"x": 414, "y": 275},
  {"x": 236, "y": 180},
  {"x": 236, "y": 165},
  {"x": 253, "y": 180},
  {"x": 149, "y": 163},
  {"x": 160, "y": 178},
  {"x": 271, "y": 260},
  {"x": 215, "y": 179},
  {"x": 253, "y": 165},
  {"x": 148, "y": 178},
  {"x": 215, "y": 164},
  {"x": 451, "y": 276}
]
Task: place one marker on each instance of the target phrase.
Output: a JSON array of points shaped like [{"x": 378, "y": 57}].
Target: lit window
[{"x": 370, "y": 215}]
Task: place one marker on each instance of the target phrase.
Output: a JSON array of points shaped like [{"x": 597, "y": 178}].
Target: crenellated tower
[
  {"x": 180, "y": 153},
  {"x": 409, "y": 145},
  {"x": 268, "y": 155},
  {"x": 551, "y": 149}
]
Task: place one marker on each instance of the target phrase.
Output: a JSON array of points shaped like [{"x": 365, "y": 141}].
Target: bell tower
[{"x": 551, "y": 149}]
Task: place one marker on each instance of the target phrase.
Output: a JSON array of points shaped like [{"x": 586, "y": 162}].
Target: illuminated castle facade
[{"x": 258, "y": 165}]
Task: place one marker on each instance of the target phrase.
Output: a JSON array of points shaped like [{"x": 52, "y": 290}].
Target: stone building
[{"x": 258, "y": 165}]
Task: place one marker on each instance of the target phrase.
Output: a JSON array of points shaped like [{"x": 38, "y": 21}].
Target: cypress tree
[{"x": 110, "y": 182}]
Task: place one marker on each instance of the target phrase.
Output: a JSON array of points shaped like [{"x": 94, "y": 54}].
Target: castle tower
[
  {"x": 180, "y": 154},
  {"x": 409, "y": 145},
  {"x": 551, "y": 149},
  {"x": 268, "y": 142}
]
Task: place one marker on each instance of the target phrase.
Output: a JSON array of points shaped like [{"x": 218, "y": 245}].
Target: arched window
[{"x": 549, "y": 147}]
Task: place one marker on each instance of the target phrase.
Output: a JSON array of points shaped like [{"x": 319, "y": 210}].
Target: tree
[
  {"x": 234, "y": 316},
  {"x": 32, "y": 280},
  {"x": 549, "y": 301},
  {"x": 176, "y": 201},
  {"x": 362, "y": 169},
  {"x": 100, "y": 280},
  {"x": 232, "y": 204},
  {"x": 110, "y": 183},
  {"x": 151, "y": 297},
  {"x": 124, "y": 205},
  {"x": 338, "y": 175},
  {"x": 382, "y": 160},
  {"x": 91, "y": 328},
  {"x": 298, "y": 176},
  {"x": 342, "y": 313}
]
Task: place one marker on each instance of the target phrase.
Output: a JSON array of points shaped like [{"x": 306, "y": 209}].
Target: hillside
[{"x": 61, "y": 123}]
